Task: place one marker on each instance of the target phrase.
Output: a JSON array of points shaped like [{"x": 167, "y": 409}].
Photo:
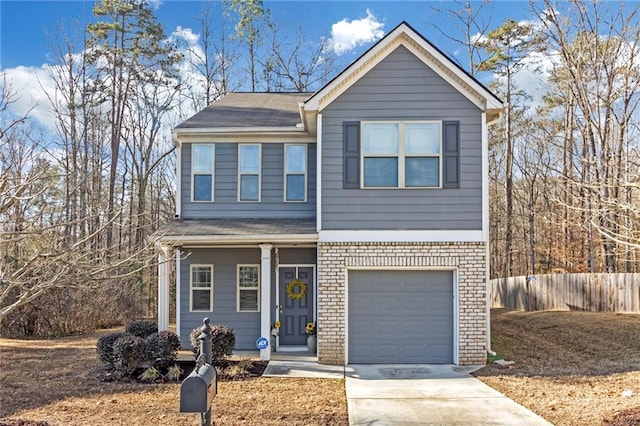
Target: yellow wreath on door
[{"x": 296, "y": 289}]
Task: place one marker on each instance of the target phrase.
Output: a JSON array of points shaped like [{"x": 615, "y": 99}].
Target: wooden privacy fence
[{"x": 585, "y": 292}]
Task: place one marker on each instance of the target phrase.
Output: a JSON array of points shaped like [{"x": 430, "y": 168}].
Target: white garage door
[{"x": 403, "y": 317}]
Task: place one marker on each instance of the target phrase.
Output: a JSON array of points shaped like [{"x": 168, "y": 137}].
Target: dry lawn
[
  {"x": 56, "y": 381},
  {"x": 570, "y": 367}
]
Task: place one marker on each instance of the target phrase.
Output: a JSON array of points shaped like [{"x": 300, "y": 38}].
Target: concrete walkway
[{"x": 428, "y": 395}]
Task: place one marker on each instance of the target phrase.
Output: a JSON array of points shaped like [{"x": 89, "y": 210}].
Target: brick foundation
[{"x": 334, "y": 259}]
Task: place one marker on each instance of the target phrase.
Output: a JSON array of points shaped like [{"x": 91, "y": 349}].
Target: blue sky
[
  {"x": 24, "y": 22},
  {"x": 351, "y": 26}
]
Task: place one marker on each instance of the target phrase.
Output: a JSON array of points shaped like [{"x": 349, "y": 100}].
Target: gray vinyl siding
[
  {"x": 246, "y": 325},
  {"x": 226, "y": 203},
  {"x": 402, "y": 87}
]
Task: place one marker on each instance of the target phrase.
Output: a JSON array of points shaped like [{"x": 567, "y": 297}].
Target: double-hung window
[
  {"x": 249, "y": 169},
  {"x": 202, "y": 171},
  {"x": 295, "y": 172},
  {"x": 404, "y": 154},
  {"x": 201, "y": 288},
  {"x": 248, "y": 288}
]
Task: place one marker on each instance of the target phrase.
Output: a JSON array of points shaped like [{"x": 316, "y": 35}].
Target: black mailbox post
[{"x": 199, "y": 388}]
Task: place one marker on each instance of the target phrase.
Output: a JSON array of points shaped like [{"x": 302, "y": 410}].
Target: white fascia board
[
  {"x": 373, "y": 236},
  {"x": 405, "y": 36},
  {"x": 239, "y": 239},
  {"x": 226, "y": 130}
]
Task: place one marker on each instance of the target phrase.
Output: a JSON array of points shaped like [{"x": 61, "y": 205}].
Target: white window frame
[
  {"x": 306, "y": 172},
  {"x": 401, "y": 156},
  {"x": 191, "y": 287},
  {"x": 213, "y": 173},
  {"x": 240, "y": 200},
  {"x": 238, "y": 288}
]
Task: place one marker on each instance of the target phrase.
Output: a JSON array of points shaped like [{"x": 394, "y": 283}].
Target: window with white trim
[
  {"x": 403, "y": 154},
  {"x": 248, "y": 288},
  {"x": 202, "y": 171},
  {"x": 201, "y": 288},
  {"x": 295, "y": 172},
  {"x": 249, "y": 171}
]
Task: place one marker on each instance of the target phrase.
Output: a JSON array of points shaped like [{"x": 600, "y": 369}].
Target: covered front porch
[{"x": 249, "y": 275}]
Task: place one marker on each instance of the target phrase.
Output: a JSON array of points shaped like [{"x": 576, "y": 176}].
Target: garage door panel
[{"x": 400, "y": 317}]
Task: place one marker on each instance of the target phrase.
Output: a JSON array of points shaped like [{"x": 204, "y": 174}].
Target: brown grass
[
  {"x": 570, "y": 367},
  {"x": 56, "y": 381}
]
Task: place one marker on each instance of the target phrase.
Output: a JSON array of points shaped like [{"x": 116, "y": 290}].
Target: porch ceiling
[{"x": 207, "y": 231}]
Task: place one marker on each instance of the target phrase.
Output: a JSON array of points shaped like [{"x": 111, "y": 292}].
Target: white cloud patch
[
  {"x": 185, "y": 34},
  {"x": 347, "y": 35},
  {"x": 31, "y": 85}
]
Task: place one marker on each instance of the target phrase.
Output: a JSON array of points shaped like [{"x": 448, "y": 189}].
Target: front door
[{"x": 296, "y": 303}]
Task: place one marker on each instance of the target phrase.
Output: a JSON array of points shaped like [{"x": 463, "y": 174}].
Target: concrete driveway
[{"x": 428, "y": 395}]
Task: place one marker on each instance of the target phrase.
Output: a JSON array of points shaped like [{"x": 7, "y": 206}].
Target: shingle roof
[
  {"x": 249, "y": 110},
  {"x": 237, "y": 227}
]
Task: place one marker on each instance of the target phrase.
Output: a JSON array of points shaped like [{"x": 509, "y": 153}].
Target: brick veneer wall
[{"x": 335, "y": 258}]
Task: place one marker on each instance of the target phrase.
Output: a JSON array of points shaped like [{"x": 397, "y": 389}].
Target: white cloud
[
  {"x": 346, "y": 35},
  {"x": 31, "y": 86},
  {"x": 185, "y": 34}
]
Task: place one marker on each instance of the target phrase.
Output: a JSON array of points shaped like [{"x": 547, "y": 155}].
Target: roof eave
[{"x": 238, "y": 239}]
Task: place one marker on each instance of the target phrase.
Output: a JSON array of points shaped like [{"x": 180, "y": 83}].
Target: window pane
[
  {"x": 249, "y": 159},
  {"x": 249, "y": 188},
  {"x": 381, "y": 172},
  {"x": 202, "y": 161},
  {"x": 201, "y": 300},
  {"x": 422, "y": 138},
  {"x": 296, "y": 159},
  {"x": 295, "y": 187},
  {"x": 422, "y": 171},
  {"x": 248, "y": 300},
  {"x": 202, "y": 187},
  {"x": 248, "y": 276},
  {"x": 201, "y": 276},
  {"x": 380, "y": 138}
]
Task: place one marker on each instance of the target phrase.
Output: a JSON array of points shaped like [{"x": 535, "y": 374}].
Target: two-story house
[{"x": 362, "y": 207}]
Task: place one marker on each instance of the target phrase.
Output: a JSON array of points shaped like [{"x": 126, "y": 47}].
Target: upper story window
[
  {"x": 295, "y": 172},
  {"x": 202, "y": 171},
  {"x": 249, "y": 170},
  {"x": 401, "y": 154},
  {"x": 201, "y": 288}
]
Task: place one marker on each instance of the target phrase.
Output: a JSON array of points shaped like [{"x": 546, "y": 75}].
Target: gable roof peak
[{"x": 405, "y": 35}]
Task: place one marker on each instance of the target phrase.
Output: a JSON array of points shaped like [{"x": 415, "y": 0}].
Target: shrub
[
  {"x": 164, "y": 346},
  {"x": 151, "y": 374},
  {"x": 104, "y": 347},
  {"x": 142, "y": 328},
  {"x": 173, "y": 373},
  {"x": 131, "y": 353},
  {"x": 222, "y": 342}
]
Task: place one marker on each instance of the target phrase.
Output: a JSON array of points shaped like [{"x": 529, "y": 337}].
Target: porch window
[
  {"x": 201, "y": 288},
  {"x": 295, "y": 172},
  {"x": 401, "y": 154},
  {"x": 248, "y": 288},
  {"x": 202, "y": 172},
  {"x": 249, "y": 169}
]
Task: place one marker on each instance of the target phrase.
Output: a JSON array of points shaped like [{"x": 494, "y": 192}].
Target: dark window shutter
[
  {"x": 351, "y": 143},
  {"x": 451, "y": 154}
]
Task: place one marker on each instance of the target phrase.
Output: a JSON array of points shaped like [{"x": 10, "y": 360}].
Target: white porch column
[
  {"x": 265, "y": 297},
  {"x": 163, "y": 289}
]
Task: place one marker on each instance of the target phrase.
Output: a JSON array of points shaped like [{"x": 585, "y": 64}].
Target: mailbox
[{"x": 198, "y": 389}]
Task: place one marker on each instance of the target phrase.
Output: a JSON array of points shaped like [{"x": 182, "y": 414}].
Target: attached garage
[{"x": 400, "y": 317}]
